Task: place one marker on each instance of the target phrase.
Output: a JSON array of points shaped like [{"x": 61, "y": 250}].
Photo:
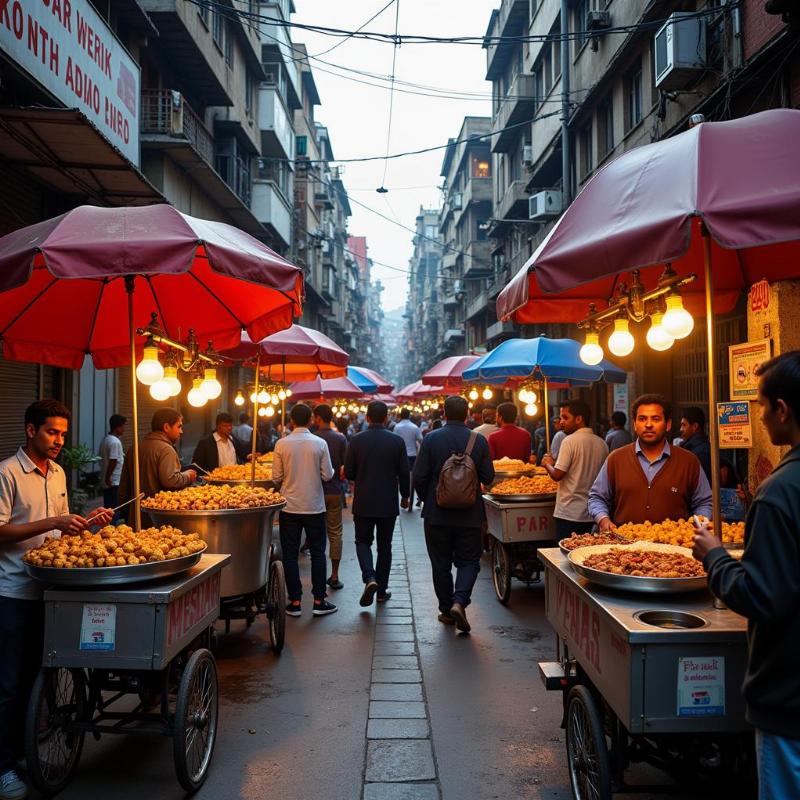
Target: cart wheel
[
  {"x": 275, "y": 552},
  {"x": 195, "y": 726},
  {"x": 276, "y": 603},
  {"x": 587, "y": 752},
  {"x": 501, "y": 571},
  {"x": 52, "y": 748}
]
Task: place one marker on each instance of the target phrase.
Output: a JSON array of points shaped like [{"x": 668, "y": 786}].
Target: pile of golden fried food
[
  {"x": 114, "y": 547},
  {"x": 645, "y": 563},
  {"x": 536, "y": 484},
  {"x": 241, "y": 472},
  {"x": 588, "y": 539},
  {"x": 506, "y": 464},
  {"x": 212, "y": 498},
  {"x": 266, "y": 458},
  {"x": 679, "y": 531}
]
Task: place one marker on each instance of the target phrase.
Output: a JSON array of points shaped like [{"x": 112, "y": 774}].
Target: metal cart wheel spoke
[
  {"x": 276, "y": 603},
  {"x": 501, "y": 571},
  {"x": 195, "y": 725},
  {"x": 52, "y": 746},
  {"x": 587, "y": 752}
]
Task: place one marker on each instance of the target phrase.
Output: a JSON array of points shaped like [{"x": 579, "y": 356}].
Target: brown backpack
[{"x": 458, "y": 481}]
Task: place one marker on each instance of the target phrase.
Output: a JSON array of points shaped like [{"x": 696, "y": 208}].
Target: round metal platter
[
  {"x": 113, "y": 576},
  {"x": 566, "y": 550},
  {"x": 523, "y": 498},
  {"x": 636, "y": 583},
  {"x": 263, "y": 483},
  {"x": 211, "y": 512}
]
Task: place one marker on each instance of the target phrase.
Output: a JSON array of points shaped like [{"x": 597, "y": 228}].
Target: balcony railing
[
  {"x": 518, "y": 105},
  {"x": 166, "y": 112},
  {"x": 477, "y": 306},
  {"x": 515, "y": 193},
  {"x": 500, "y": 329}
]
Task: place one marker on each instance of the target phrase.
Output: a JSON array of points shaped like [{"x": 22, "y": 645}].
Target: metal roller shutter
[{"x": 19, "y": 387}]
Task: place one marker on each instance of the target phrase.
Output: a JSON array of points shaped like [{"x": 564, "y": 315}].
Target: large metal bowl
[
  {"x": 264, "y": 483},
  {"x": 245, "y": 533},
  {"x": 113, "y": 576},
  {"x": 522, "y": 498}
]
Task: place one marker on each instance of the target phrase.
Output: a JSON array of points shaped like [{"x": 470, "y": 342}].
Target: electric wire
[
  {"x": 391, "y": 95},
  {"x": 357, "y": 30}
]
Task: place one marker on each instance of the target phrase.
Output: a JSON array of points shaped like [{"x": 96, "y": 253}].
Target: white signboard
[
  {"x": 621, "y": 398},
  {"x": 68, "y": 48},
  {"x": 98, "y": 624},
  {"x": 701, "y": 687}
]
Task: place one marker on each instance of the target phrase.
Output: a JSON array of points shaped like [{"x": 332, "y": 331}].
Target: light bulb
[
  {"x": 239, "y": 399},
  {"x": 263, "y": 397},
  {"x": 269, "y": 411},
  {"x": 532, "y": 398},
  {"x": 657, "y": 337},
  {"x": 678, "y": 322},
  {"x": 473, "y": 394},
  {"x": 470, "y": 405},
  {"x": 253, "y": 397},
  {"x": 274, "y": 399},
  {"x": 262, "y": 412},
  {"x": 150, "y": 370},
  {"x": 197, "y": 397},
  {"x": 488, "y": 393},
  {"x": 160, "y": 390},
  {"x": 171, "y": 379},
  {"x": 621, "y": 342},
  {"x": 591, "y": 353},
  {"x": 288, "y": 392},
  {"x": 281, "y": 395},
  {"x": 211, "y": 387},
  {"x": 531, "y": 409}
]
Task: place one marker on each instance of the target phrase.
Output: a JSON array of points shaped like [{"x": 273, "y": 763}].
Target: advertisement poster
[
  {"x": 701, "y": 687},
  {"x": 98, "y": 627},
  {"x": 743, "y": 361},
  {"x": 621, "y": 398},
  {"x": 733, "y": 423}
]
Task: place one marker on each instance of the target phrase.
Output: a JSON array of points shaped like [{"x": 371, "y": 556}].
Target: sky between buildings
[{"x": 357, "y": 114}]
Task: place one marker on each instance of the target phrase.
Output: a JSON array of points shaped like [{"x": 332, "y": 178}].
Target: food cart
[
  {"x": 646, "y": 677},
  {"x": 118, "y": 631}
]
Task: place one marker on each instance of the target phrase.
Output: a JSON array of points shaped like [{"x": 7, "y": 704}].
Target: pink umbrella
[
  {"x": 418, "y": 391},
  {"x": 342, "y": 388},
  {"x": 447, "y": 372}
]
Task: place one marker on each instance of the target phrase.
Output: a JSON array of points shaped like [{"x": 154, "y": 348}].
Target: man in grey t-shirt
[
  {"x": 112, "y": 458},
  {"x": 618, "y": 437}
]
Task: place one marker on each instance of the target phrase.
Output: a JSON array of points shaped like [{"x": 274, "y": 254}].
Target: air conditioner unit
[
  {"x": 458, "y": 201},
  {"x": 544, "y": 205},
  {"x": 598, "y": 20},
  {"x": 680, "y": 50},
  {"x": 527, "y": 154}
]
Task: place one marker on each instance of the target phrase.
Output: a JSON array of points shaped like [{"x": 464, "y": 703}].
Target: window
[
  {"x": 203, "y": 12},
  {"x": 534, "y": 7},
  {"x": 217, "y": 28},
  {"x": 585, "y": 145},
  {"x": 555, "y": 47},
  {"x": 605, "y": 127},
  {"x": 229, "y": 46},
  {"x": 301, "y": 146},
  {"x": 432, "y": 231},
  {"x": 538, "y": 84},
  {"x": 249, "y": 93},
  {"x": 546, "y": 61},
  {"x": 481, "y": 167},
  {"x": 580, "y": 21},
  {"x": 482, "y": 228},
  {"x": 634, "y": 102}
]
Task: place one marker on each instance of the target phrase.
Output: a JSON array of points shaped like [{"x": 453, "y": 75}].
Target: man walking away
[
  {"x": 244, "y": 430},
  {"x": 618, "y": 436},
  {"x": 579, "y": 461},
  {"x": 453, "y": 535},
  {"x": 376, "y": 461},
  {"x": 112, "y": 458},
  {"x": 489, "y": 426},
  {"x": 300, "y": 466},
  {"x": 412, "y": 436},
  {"x": 695, "y": 439},
  {"x": 220, "y": 448},
  {"x": 510, "y": 441},
  {"x": 765, "y": 587},
  {"x": 337, "y": 448}
]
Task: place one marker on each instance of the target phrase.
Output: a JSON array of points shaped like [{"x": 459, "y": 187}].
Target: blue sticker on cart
[
  {"x": 98, "y": 627},
  {"x": 701, "y": 686}
]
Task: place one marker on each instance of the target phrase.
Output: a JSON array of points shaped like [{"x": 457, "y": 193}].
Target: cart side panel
[
  {"x": 521, "y": 522},
  {"x": 601, "y": 651},
  {"x": 661, "y": 688},
  {"x": 133, "y": 636}
]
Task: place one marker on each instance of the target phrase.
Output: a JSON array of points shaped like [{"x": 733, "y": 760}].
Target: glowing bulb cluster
[
  {"x": 678, "y": 322},
  {"x": 657, "y": 336},
  {"x": 527, "y": 396},
  {"x": 149, "y": 370},
  {"x": 197, "y": 397}
]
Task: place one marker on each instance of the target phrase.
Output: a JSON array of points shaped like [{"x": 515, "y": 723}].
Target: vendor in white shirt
[
  {"x": 33, "y": 504},
  {"x": 220, "y": 448}
]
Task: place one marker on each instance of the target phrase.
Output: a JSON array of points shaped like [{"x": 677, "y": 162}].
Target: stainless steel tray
[
  {"x": 523, "y": 498},
  {"x": 211, "y": 512},
  {"x": 566, "y": 551},
  {"x": 113, "y": 576},
  {"x": 264, "y": 483}
]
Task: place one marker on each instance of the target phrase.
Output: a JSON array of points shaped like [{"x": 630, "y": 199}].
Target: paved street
[{"x": 379, "y": 704}]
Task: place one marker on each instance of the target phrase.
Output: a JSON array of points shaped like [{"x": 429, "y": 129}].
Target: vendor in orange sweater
[{"x": 649, "y": 479}]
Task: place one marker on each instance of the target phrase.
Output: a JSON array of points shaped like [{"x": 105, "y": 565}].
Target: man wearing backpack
[{"x": 452, "y": 464}]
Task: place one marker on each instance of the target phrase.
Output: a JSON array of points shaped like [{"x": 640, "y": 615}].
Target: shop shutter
[{"x": 19, "y": 387}]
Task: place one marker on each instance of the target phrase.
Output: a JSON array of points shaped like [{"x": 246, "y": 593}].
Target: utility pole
[{"x": 566, "y": 182}]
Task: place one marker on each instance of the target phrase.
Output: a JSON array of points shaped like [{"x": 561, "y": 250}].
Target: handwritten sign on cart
[
  {"x": 701, "y": 687},
  {"x": 98, "y": 627},
  {"x": 733, "y": 422}
]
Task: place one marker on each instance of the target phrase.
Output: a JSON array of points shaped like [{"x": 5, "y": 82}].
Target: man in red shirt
[{"x": 510, "y": 441}]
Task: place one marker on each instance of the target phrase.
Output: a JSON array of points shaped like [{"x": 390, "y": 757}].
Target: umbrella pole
[
  {"x": 255, "y": 423},
  {"x": 711, "y": 351},
  {"x": 546, "y": 418},
  {"x": 137, "y": 508},
  {"x": 283, "y": 402}
]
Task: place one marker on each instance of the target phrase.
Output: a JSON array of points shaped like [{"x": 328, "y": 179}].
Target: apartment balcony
[
  {"x": 168, "y": 118},
  {"x": 511, "y": 21},
  {"x": 478, "y": 306},
  {"x": 497, "y": 285},
  {"x": 500, "y": 330},
  {"x": 518, "y": 105},
  {"x": 448, "y": 259},
  {"x": 323, "y": 196},
  {"x": 514, "y": 203},
  {"x": 276, "y": 47},
  {"x": 477, "y": 263},
  {"x": 275, "y": 124},
  {"x": 451, "y": 301},
  {"x": 272, "y": 210},
  {"x": 453, "y": 335}
]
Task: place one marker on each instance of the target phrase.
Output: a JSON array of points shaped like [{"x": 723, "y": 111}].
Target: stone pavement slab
[
  {"x": 394, "y": 635},
  {"x": 397, "y": 729},
  {"x": 396, "y": 676},
  {"x": 394, "y": 621},
  {"x": 395, "y": 662},
  {"x": 394, "y": 611},
  {"x": 401, "y": 791},
  {"x": 394, "y": 648},
  {"x": 393, "y": 760},
  {"x": 396, "y": 691},
  {"x": 380, "y": 709}
]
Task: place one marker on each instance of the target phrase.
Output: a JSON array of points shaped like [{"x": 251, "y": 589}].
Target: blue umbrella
[{"x": 362, "y": 381}]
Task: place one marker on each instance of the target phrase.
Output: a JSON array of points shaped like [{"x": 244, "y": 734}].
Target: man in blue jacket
[
  {"x": 765, "y": 587},
  {"x": 376, "y": 461},
  {"x": 452, "y": 535}
]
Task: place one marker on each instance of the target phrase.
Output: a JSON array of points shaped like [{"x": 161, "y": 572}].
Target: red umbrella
[
  {"x": 721, "y": 200},
  {"x": 418, "y": 391},
  {"x": 342, "y": 388},
  {"x": 447, "y": 372},
  {"x": 84, "y": 281}
]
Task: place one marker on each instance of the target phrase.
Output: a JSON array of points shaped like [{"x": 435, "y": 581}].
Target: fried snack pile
[
  {"x": 241, "y": 472},
  {"x": 114, "y": 547},
  {"x": 645, "y": 563},
  {"x": 678, "y": 532},
  {"x": 506, "y": 464},
  {"x": 266, "y": 458},
  {"x": 536, "y": 484},
  {"x": 588, "y": 539},
  {"x": 212, "y": 498}
]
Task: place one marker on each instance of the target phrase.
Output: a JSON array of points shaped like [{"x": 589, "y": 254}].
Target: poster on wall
[
  {"x": 621, "y": 398},
  {"x": 743, "y": 361},
  {"x": 733, "y": 422}
]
